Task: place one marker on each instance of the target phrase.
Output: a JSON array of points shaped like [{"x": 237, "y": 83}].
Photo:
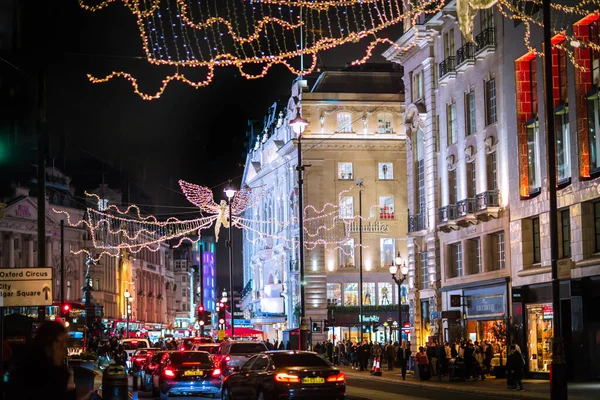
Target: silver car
[{"x": 235, "y": 353}]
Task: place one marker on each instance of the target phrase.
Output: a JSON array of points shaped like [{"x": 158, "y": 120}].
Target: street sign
[
  {"x": 406, "y": 328},
  {"x": 21, "y": 287},
  {"x": 221, "y": 334}
]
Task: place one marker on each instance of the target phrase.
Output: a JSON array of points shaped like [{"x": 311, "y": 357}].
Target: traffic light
[
  {"x": 315, "y": 327},
  {"x": 325, "y": 325},
  {"x": 221, "y": 313},
  {"x": 66, "y": 311},
  {"x": 200, "y": 313}
]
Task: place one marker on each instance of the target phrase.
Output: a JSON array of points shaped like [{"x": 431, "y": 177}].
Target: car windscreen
[
  {"x": 210, "y": 349},
  {"x": 247, "y": 348},
  {"x": 133, "y": 345},
  {"x": 298, "y": 360},
  {"x": 181, "y": 358}
]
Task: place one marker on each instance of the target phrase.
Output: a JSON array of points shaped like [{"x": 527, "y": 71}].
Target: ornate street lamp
[
  {"x": 399, "y": 279},
  {"x": 230, "y": 193},
  {"x": 128, "y": 300}
]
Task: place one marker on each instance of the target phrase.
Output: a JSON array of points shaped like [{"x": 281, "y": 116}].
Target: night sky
[{"x": 106, "y": 131}]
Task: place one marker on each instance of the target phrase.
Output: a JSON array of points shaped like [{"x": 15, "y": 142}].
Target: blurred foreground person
[{"x": 43, "y": 373}]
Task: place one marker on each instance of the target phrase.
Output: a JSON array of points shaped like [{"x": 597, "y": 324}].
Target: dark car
[
  {"x": 139, "y": 359},
  {"x": 235, "y": 353},
  {"x": 150, "y": 367},
  {"x": 189, "y": 372},
  {"x": 285, "y": 374}
]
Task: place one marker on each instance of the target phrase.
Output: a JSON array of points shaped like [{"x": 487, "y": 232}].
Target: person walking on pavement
[
  {"x": 43, "y": 373},
  {"x": 487, "y": 357},
  {"x": 442, "y": 360},
  {"x": 390, "y": 352},
  {"x": 514, "y": 366},
  {"x": 403, "y": 357},
  {"x": 422, "y": 363},
  {"x": 329, "y": 348},
  {"x": 432, "y": 356},
  {"x": 363, "y": 355}
]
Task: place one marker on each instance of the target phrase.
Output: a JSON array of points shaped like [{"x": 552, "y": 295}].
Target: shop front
[{"x": 378, "y": 325}]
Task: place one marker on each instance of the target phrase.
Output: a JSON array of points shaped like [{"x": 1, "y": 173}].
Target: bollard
[{"x": 114, "y": 383}]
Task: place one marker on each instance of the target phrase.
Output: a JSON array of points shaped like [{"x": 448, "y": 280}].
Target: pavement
[{"x": 534, "y": 389}]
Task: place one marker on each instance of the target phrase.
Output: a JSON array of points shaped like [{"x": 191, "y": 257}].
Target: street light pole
[
  {"x": 558, "y": 382},
  {"x": 230, "y": 193},
  {"x": 298, "y": 125},
  {"x": 127, "y": 296},
  {"x": 359, "y": 183},
  {"x": 398, "y": 263}
]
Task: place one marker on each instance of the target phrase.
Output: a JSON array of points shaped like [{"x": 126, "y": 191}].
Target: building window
[
  {"x": 471, "y": 180},
  {"x": 597, "y": 225},
  {"x": 386, "y": 207},
  {"x": 451, "y": 123},
  {"x": 68, "y": 290},
  {"x": 565, "y": 233},
  {"x": 351, "y": 294},
  {"x": 368, "y": 293},
  {"x": 344, "y": 122},
  {"x": 423, "y": 261},
  {"x": 474, "y": 255},
  {"x": 533, "y": 156},
  {"x": 347, "y": 207},
  {"x": 387, "y": 251},
  {"x": 385, "y": 294},
  {"x": 384, "y": 123},
  {"x": 386, "y": 171},
  {"x": 486, "y": 18},
  {"x": 540, "y": 329},
  {"x": 535, "y": 228},
  {"x": 563, "y": 156},
  {"x": 449, "y": 43},
  {"x": 492, "y": 178},
  {"x": 456, "y": 259},
  {"x": 345, "y": 171},
  {"x": 490, "y": 102},
  {"x": 347, "y": 254},
  {"x": 471, "y": 122},
  {"x": 419, "y": 154},
  {"x": 452, "y": 187},
  {"x": 334, "y": 294},
  {"x": 500, "y": 250},
  {"x": 418, "y": 86},
  {"x": 593, "y": 103}
]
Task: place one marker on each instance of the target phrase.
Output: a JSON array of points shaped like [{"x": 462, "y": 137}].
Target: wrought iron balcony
[
  {"x": 486, "y": 42},
  {"x": 447, "y": 213},
  {"x": 416, "y": 222},
  {"x": 465, "y": 56},
  {"x": 447, "y": 66},
  {"x": 466, "y": 206},
  {"x": 487, "y": 199}
]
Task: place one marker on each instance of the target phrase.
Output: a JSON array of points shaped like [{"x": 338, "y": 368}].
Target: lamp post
[
  {"x": 230, "y": 193},
  {"x": 359, "y": 183},
  {"x": 128, "y": 300},
  {"x": 298, "y": 125},
  {"x": 399, "y": 263}
]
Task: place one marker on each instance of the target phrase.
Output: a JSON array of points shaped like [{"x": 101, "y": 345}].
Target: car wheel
[{"x": 225, "y": 394}]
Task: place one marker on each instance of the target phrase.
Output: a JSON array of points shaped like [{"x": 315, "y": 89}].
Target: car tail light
[
  {"x": 283, "y": 377},
  {"x": 341, "y": 377},
  {"x": 227, "y": 358},
  {"x": 169, "y": 372},
  {"x": 216, "y": 372}
]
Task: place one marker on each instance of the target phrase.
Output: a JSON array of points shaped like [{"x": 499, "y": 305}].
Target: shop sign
[
  {"x": 370, "y": 227},
  {"x": 370, "y": 318},
  {"x": 478, "y": 306},
  {"x": 547, "y": 312}
]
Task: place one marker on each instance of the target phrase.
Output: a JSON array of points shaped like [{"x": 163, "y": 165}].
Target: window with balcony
[
  {"x": 385, "y": 296},
  {"x": 346, "y": 254},
  {"x": 455, "y": 257},
  {"x": 386, "y": 171},
  {"x": 471, "y": 180},
  {"x": 490, "y": 102},
  {"x": 561, "y": 110},
  {"x": 334, "y": 294},
  {"x": 492, "y": 174},
  {"x": 451, "y": 130},
  {"x": 345, "y": 171},
  {"x": 486, "y": 19},
  {"x": 351, "y": 294},
  {"x": 384, "y": 123},
  {"x": 449, "y": 43},
  {"x": 452, "y": 187},
  {"x": 418, "y": 86},
  {"x": 344, "y": 122},
  {"x": 386, "y": 207},
  {"x": 471, "y": 122},
  {"x": 368, "y": 293},
  {"x": 387, "y": 251},
  {"x": 424, "y": 265},
  {"x": 347, "y": 207},
  {"x": 565, "y": 233},
  {"x": 537, "y": 250}
]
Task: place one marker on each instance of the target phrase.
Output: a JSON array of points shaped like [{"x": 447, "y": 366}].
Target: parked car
[
  {"x": 285, "y": 374},
  {"x": 235, "y": 353},
  {"x": 188, "y": 373}
]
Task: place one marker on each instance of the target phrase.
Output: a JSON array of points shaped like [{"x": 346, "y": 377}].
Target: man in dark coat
[
  {"x": 390, "y": 352},
  {"x": 514, "y": 366},
  {"x": 329, "y": 348},
  {"x": 364, "y": 353}
]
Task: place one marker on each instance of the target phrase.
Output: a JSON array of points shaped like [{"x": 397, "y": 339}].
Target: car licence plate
[
  {"x": 313, "y": 380},
  {"x": 193, "y": 373}
]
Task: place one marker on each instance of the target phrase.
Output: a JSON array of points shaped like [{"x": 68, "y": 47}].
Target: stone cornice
[{"x": 389, "y": 145}]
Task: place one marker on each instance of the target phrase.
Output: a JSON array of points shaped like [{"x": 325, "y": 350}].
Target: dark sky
[{"x": 107, "y": 130}]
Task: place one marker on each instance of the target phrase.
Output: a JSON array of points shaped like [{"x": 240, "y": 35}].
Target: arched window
[
  {"x": 384, "y": 123},
  {"x": 344, "y": 122}
]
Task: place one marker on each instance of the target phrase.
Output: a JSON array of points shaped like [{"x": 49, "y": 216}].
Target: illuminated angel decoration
[{"x": 466, "y": 11}]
